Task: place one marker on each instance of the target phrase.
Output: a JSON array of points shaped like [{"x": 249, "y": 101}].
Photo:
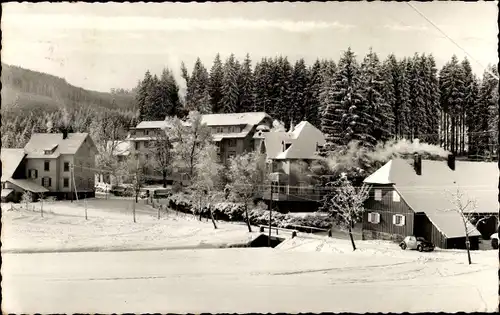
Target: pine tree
[
  {"x": 143, "y": 95},
  {"x": 298, "y": 92},
  {"x": 431, "y": 100},
  {"x": 230, "y": 86},
  {"x": 215, "y": 85},
  {"x": 262, "y": 90},
  {"x": 198, "y": 97},
  {"x": 451, "y": 88},
  {"x": 246, "y": 86},
  {"x": 417, "y": 102},
  {"x": 328, "y": 70},
  {"x": 487, "y": 110},
  {"x": 282, "y": 91},
  {"x": 471, "y": 119},
  {"x": 372, "y": 89},
  {"x": 345, "y": 118},
  {"x": 313, "y": 90}
]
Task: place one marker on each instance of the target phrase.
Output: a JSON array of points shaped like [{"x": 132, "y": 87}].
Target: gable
[{"x": 11, "y": 159}]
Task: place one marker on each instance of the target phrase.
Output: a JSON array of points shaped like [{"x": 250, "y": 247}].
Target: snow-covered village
[{"x": 250, "y": 157}]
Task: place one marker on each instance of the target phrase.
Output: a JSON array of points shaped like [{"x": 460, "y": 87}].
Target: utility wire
[{"x": 446, "y": 35}]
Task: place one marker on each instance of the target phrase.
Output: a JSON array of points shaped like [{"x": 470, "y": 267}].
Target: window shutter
[
  {"x": 378, "y": 194},
  {"x": 50, "y": 182},
  {"x": 394, "y": 219},
  {"x": 402, "y": 220},
  {"x": 377, "y": 218},
  {"x": 36, "y": 173},
  {"x": 370, "y": 217}
]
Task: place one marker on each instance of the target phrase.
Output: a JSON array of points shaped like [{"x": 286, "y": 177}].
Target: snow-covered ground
[
  {"x": 109, "y": 226},
  {"x": 304, "y": 274}
]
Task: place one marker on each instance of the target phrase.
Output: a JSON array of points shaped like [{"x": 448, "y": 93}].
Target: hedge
[{"x": 231, "y": 211}]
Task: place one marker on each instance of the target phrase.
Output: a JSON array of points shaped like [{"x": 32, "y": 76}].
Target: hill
[{"x": 32, "y": 91}]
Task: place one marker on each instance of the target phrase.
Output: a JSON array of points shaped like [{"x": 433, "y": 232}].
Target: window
[
  {"x": 374, "y": 217},
  {"x": 137, "y": 145},
  {"x": 66, "y": 166},
  {"x": 398, "y": 219},
  {"x": 378, "y": 194},
  {"x": 220, "y": 130},
  {"x": 146, "y": 132},
  {"x": 232, "y": 142},
  {"x": 287, "y": 145},
  {"x": 46, "y": 166},
  {"x": 33, "y": 174},
  {"x": 65, "y": 182},
  {"x": 46, "y": 182},
  {"x": 395, "y": 196},
  {"x": 231, "y": 155}
]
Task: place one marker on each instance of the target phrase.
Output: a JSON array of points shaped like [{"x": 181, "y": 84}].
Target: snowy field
[
  {"x": 304, "y": 274},
  {"x": 109, "y": 226}
]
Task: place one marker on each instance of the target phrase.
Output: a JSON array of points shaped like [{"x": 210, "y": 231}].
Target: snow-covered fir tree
[
  {"x": 230, "y": 86},
  {"x": 377, "y": 107},
  {"x": 215, "y": 84},
  {"x": 298, "y": 91},
  {"x": 246, "y": 86}
]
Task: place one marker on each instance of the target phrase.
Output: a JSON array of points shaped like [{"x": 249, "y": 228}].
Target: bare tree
[
  {"x": 41, "y": 196},
  {"x": 136, "y": 168},
  {"x": 161, "y": 151},
  {"x": 26, "y": 198},
  {"x": 466, "y": 209},
  {"x": 190, "y": 139},
  {"x": 345, "y": 204},
  {"x": 205, "y": 180},
  {"x": 247, "y": 174}
]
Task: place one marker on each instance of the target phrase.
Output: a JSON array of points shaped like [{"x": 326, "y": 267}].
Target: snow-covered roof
[
  {"x": 28, "y": 185},
  {"x": 40, "y": 142},
  {"x": 121, "y": 147},
  {"x": 303, "y": 140},
  {"x": 430, "y": 192},
  {"x": 251, "y": 118},
  {"x": 152, "y": 124},
  {"x": 11, "y": 158}
]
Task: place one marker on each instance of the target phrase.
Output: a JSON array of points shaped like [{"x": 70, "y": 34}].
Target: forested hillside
[
  {"x": 24, "y": 89},
  {"x": 39, "y": 102}
]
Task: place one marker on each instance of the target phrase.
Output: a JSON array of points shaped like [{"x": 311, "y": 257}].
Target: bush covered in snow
[{"x": 230, "y": 211}]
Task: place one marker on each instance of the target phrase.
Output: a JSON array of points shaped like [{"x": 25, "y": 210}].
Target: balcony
[{"x": 292, "y": 193}]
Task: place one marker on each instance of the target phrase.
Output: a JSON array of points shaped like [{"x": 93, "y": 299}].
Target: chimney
[
  {"x": 65, "y": 133},
  {"x": 417, "y": 163},
  {"x": 451, "y": 161},
  {"x": 291, "y": 125}
]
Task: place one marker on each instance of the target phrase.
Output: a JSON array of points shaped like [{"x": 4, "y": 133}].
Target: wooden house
[{"x": 414, "y": 197}]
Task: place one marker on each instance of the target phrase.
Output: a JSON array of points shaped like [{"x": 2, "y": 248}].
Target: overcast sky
[{"x": 104, "y": 45}]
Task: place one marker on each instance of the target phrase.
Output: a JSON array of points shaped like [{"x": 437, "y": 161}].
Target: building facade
[
  {"x": 415, "y": 197},
  {"x": 55, "y": 164},
  {"x": 290, "y": 155}
]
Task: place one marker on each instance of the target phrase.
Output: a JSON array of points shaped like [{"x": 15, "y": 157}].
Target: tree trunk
[
  {"x": 352, "y": 239},
  {"x": 247, "y": 219},
  {"x": 212, "y": 217},
  {"x": 133, "y": 210}
]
